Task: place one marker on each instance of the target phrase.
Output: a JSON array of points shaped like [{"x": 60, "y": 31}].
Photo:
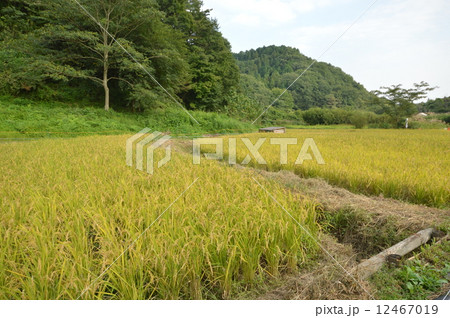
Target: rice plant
[
  {"x": 410, "y": 165},
  {"x": 70, "y": 208}
]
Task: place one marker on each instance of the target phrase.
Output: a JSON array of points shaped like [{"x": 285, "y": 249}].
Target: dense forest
[
  {"x": 267, "y": 71},
  {"x": 53, "y": 49}
]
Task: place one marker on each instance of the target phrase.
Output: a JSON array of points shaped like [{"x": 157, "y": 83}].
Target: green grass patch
[
  {"x": 24, "y": 118},
  {"x": 419, "y": 278},
  {"x": 320, "y": 127},
  {"x": 428, "y": 125}
]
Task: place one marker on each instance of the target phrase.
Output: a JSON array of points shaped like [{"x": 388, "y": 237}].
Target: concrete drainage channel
[{"x": 394, "y": 254}]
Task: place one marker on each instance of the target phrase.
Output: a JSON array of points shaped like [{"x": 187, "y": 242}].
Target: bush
[
  {"x": 316, "y": 116},
  {"x": 338, "y": 116},
  {"x": 341, "y": 116},
  {"x": 359, "y": 120},
  {"x": 414, "y": 125},
  {"x": 445, "y": 119},
  {"x": 380, "y": 121}
]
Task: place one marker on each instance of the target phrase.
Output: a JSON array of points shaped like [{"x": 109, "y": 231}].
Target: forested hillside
[
  {"x": 267, "y": 71},
  {"x": 53, "y": 50}
]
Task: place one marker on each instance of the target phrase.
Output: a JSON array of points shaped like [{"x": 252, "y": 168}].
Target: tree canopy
[
  {"x": 438, "y": 105},
  {"x": 149, "y": 54},
  {"x": 46, "y": 43},
  {"x": 398, "y": 103}
]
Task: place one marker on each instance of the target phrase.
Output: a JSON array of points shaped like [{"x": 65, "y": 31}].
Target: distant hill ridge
[{"x": 267, "y": 71}]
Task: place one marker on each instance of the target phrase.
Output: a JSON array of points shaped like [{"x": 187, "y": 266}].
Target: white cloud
[
  {"x": 310, "y": 5},
  {"x": 397, "y": 41},
  {"x": 246, "y": 20},
  {"x": 255, "y": 13}
]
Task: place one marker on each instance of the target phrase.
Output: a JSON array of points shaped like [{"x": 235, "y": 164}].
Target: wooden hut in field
[{"x": 276, "y": 130}]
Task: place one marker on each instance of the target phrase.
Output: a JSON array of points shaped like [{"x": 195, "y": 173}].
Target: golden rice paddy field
[
  {"x": 410, "y": 165},
  {"x": 76, "y": 222},
  {"x": 71, "y": 207}
]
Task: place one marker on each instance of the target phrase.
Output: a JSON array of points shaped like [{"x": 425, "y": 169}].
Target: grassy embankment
[{"x": 24, "y": 118}]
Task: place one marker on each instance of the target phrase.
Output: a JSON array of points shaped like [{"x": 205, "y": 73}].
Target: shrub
[
  {"x": 359, "y": 120},
  {"x": 446, "y": 119},
  {"x": 414, "y": 125},
  {"x": 338, "y": 116},
  {"x": 341, "y": 116},
  {"x": 314, "y": 116}
]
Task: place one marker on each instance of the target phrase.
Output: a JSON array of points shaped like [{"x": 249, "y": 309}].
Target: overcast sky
[{"x": 395, "y": 42}]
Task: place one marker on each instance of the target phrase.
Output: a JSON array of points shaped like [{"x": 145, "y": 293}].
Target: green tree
[
  {"x": 67, "y": 44},
  {"x": 256, "y": 90},
  {"x": 398, "y": 102},
  {"x": 13, "y": 19},
  {"x": 215, "y": 75},
  {"x": 438, "y": 105},
  {"x": 134, "y": 24},
  {"x": 331, "y": 101},
  {"x": 285, "y": 102},
  {"x": 359, "y": 120}
]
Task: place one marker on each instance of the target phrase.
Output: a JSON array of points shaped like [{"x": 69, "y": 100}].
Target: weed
[
  {"x": 365, "y": 232},
  {"x": 418, "y": 278}
]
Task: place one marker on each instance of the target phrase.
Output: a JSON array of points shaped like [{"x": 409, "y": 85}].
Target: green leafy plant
[{"x": 420, "y": 278}]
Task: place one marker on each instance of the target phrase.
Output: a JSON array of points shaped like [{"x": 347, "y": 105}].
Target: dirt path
[{"x": 408, "y": 216}]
